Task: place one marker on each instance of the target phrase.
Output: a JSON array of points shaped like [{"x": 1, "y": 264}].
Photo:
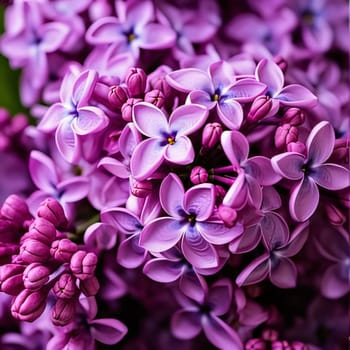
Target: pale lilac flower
[
  {"x": 217, "y": 88},
  {"x": 252, "y": 173},
  {"x": 202, "y": 313},
  {"x": 167, "y": 140},
  {"x": 190, "y": 222},
  {"x": 133, "y": 29},
  {"x": 310, "y": 171},
  {"x": 275, "y": 263},
  {"x": 73, "y": 116},
  {"x": 293, "y": 95}
]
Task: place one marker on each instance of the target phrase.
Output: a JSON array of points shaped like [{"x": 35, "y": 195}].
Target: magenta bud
[
  {"x": 141, "y": 189},
  {"x": 341, "y": 152},
  {"x": 198, "y": 175},
  {"x": 127, "y": 108},
  {"x": 228, "y": 215},
  {"x": 281, "y": 62},
  {"x": 29, "y": 305},
  {"x": 270, "y": 334},
  {"x": 293, "y": 116},
  {"x": 15, "y": 209},
  {"x": 35, "y": 276},
  {"x": 8, "y": 228},
  {"x": 83, "y": 264},
  {"x": 7, "y": 250},
  {"x": 117, "y": 96},
  {"x": 11, "y": 278},
  {"x": 281, "y": 345},
  {"x": 136, "y": 80},
  {"x": 41, "y": 230},
  {"x": 90, "y": 286},
  {"x": 156, "y": 97},
  {"x": 19, "y": 123},
  {"x": 63, "y": 249},
  {"x": 65, "y": 287},
  {"x": 285, "y": 134},
  {"x": 255, "y": 344},
  {"x": 260, "y": 108},
  {"x": 297, "y": 147},
  {"x": 51, "y": 210},
  {"x": 211, "y": 135},
  {"x": 33, "y": 250},
  {"x": 5, "y": 117},
  {"x": 298, "y": 345},
  {"x": 334, "y": 215},
  {"x": 63, "y": 312}
]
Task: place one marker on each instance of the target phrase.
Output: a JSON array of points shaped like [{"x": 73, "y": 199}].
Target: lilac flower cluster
[{"x": 189, "y": 166}]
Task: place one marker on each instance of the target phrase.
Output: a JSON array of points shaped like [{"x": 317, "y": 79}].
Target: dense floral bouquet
[{"x": 183, "y": 180}]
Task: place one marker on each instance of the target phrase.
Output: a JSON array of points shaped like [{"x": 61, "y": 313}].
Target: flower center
[
  {"x": 171, "y": 140},
  {"x": 191, "y": 219},
  {"x": 131, "y": 37},
  {"x": 216, "y": 97}
]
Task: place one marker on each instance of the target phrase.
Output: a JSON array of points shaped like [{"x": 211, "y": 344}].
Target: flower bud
[
  {"x": 298, "y": 345},
  {"x": 228, "y": 215},
  {"x": 8, "y": 229},
  {"x": 211, "y": 135},
  {"x": 90, "y": 286},
  {"x": 156, "y": 97},
  {"x": 41, "y": 230},
  {"x": 65, "y": 287},
  {"x": 285, "y": 134},
  {"x": 11, "y": 278},
  {"x": 33, "y": 250},
  {"x": 293, "y": 116},
  {"x": 5, "y": 117},
  {"x": 51, "y": 210},
  {"x": 270, "y": 334},
  {"x": 83, "y": 264},
  {"x": 157, "y": 80},
  {"x": 63, "y": 249},
  {"x": 7, "y": 250},
  {"x": 15, "y": 209},
  {"x": 135, "y": 80},
  {"x": 281, "y": 345},
  {"x": 260, "y": 108},
  {"x": 117, "y": 96},
  {"x": 334, "y": 215},
  {"x": 63, "y": 312},
  {"x": 198, "y": 175},
  {"x": 127, "y": 108},
  {"x": 141, "y": 189},
  {"x": 341, "y": 152},
  {"x": 281, "y": 62},
  {"x": 19, "y": 123},
  {"x": 297, "y": 147},
  {"x": 35, "y": 276},
  {"x": 29, "y": 305},
  {"x": 255, "y": 344},
  {"x": 220, "y": 193}
]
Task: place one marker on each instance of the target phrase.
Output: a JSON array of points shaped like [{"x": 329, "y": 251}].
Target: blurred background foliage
[{"x": 9, "y": 80}]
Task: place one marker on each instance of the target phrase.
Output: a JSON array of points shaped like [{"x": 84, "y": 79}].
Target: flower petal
[
  {"x": 161, "y": 234},
  {"x": 150, "y": 120},
  {"x": 83, "y": 88},
  {"x": 296, "y": 241},
  {"x": 220, "y": 296},
  {"x": 124, "y": 220},
  {"x": 181, "y": 152},
  {"x": 187, "y": 119},
  {"x": 235, "y": 146},
  {"x": 220, "y": 334},
  {"x": 319, "y": 150},
  {"x": 331, "y": 176},
  {"x": 105, "y": 30},
  {"x": 245, "y": 90},
  {"x": 171, "y": 194},
  {"x": 283, "y": 273},
  {"x": 43, "y": 172},
  {"x": 200, "y": 200},
  {"x": 335, "y": 281},
  {"x": 73, "y": 189},
  {"x": 218, "y": 233},
  {"x": 222, "y": 74},
  {"x": 237, "y": 195},
  {"x": 146, "y": 159},
  {"x": 247, "y": 241},
  {"x": 303, "y": 200},
  {"x": 269, "y": 73},
  {"x": 297, "y": 96},
  {"x": 53, "y": 36},
  {"x": 261, "y": 170},
  {"x": 89, "y": 120},
  {"x": 52, "y": 117},
  {"x": 289, "y": 165},
  {"x": 163, "y": 270},
  {"x": 186, "y": 324},
  {"x": 230, "y": 113},
  {"x": 107, "y": 330},
  {"x": 202, "y": 98},
  {"x": 165, "y": 37},
  {"x": 188, "y": 79},
  {"x": 255, "y": 272},
  {"x": 197, "y": 250},
  {"x": 130, "y": 255}
]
